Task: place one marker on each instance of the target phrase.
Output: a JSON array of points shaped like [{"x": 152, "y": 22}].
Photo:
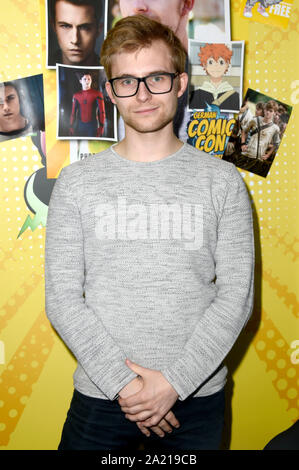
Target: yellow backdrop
[{"x": 36, "y": 368}]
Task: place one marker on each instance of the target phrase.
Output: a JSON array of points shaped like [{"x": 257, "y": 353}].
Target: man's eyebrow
[
  {"x": 78, "y": 26},
  {"x": 155, "y": 72}
]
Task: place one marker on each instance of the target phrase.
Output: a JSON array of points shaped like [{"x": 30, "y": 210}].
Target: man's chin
[{"x": 147, "y": 128}]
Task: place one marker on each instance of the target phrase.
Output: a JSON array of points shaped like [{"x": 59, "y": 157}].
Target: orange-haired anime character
[{"x": 215, "y": 60}]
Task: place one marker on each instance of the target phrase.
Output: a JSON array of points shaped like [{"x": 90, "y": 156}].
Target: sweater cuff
[
  {"x": 124, "y": 377},
  {"x": 177, "y": 377}
]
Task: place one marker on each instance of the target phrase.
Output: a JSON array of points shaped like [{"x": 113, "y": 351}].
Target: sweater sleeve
[
  {"x": 79, "y": 327},
  {"x": 217, "y": 330}
]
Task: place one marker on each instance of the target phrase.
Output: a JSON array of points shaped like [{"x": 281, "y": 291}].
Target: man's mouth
[
  {"x": 8, "y": 115},
  {"x": 146, "y": 110},
  {"x": 76, "y": 51}
]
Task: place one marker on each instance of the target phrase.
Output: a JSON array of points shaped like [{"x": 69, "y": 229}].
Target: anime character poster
[
  {"x": 21, "y": 107},
  {"x": 216, "y": 75},
  {"x": 271, "y": 12},
  {"x": 75, "y": 32},
  {"x": 84, "y": 108},
  {"x": 258, "y": 133}
]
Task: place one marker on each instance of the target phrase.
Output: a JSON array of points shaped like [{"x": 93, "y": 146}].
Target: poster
[{"x": 35, "y": 367}]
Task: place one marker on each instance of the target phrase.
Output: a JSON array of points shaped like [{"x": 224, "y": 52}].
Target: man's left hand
[{"x": 153, "y": 401}]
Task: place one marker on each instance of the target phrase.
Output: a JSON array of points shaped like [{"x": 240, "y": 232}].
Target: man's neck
[
  {"x": 148, "y": 147},
  {"x": 267, "y": 120}
]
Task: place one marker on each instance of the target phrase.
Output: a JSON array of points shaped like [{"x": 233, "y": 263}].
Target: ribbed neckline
[{"x": 155, "y": 162}]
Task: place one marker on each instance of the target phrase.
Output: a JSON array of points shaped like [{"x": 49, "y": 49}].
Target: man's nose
[
  {"x": 5, "y": 106},
  {"x": 75, "y": 37},
  {"x": 143, "y": 94},
  {"x": 140, "y": 6}
]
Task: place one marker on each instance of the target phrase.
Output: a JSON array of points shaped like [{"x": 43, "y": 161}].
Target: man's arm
[
  {"x": 73, "y": 115},
  {"x": 101, "y": 115},
  {"x": 216, "y": 332},
  {"x": 77, "y": 324}
]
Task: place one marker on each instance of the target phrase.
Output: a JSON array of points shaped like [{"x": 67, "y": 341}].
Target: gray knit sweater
[{"x": 151, "y": 261}]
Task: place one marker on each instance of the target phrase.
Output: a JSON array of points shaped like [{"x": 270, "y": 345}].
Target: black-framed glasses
[{"x": 156, "y": 83}]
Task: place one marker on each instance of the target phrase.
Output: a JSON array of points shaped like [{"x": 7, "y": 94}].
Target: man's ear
[
  {"x": 109, "y": 91},
  {"x": 183, "y": 83},
  {"x": 186, "y": 7}
]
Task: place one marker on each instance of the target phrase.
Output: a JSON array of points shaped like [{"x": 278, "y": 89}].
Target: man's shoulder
[
  {"x": 95, "y": 93},
  {"x": 209, "y": 162},
  {"x": 89, "y": 164}
]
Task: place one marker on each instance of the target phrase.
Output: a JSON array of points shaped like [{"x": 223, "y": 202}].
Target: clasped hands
[{"x": 147, "y": 400}]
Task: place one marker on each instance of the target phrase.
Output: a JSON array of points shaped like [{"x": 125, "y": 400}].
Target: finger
[
  {"x": 164, "y": 426},
  {"x": 132, "y": 400},
  {"x": 135, "y": 367},
  {"x": 143, "y": 429},
  {"x": 133, "y": 410},
  {"x": 157, "y": 430},
  {"x": 143, "y": 416},
  {"x": 171, "y": 418}
]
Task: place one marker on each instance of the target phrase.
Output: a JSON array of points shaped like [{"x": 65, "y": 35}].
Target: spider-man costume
[{"x": 88, "y": 113}]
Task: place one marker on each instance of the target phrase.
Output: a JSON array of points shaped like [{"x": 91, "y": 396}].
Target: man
[
  {"x": 12, "y": 122},
  {"x": 88, "y": 110},
  {"x": 77, "y": 25},
  {"x": 175, "y": 15},
  {"x": 149, "y": 263}
]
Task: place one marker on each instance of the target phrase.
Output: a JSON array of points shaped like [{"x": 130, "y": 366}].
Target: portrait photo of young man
[
  {"x": 149, "y": 264},
  {"x": 75, "y": 32},
  {"x": 21, "y": 107}
]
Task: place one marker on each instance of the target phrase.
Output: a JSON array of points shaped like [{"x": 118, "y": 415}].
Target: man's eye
[
  {"x": 85, "y": 27},
  {"x": 210, "y": 61},
  {"x": 127, "y": 82},
  {"x": 221, "y": 62},
  {"x": 157, "y": 78},
  {"x": 65, "y": 26}
]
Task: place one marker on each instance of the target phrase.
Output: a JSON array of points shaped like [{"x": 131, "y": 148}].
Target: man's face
[
  {"x": 216, "y": 68},
  {"x": 146, "y": 112},
  {"x": 269, "y": 114},
  {"x": 76, "y": 31},
  {"x": 86, "y": 82},
  {"x": 167, "y": 12},
  {"x": 9, "y": 109},
  {"x": 259, "y": 112}
]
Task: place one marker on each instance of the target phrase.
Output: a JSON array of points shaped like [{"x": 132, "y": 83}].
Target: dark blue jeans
[{"x": 95, "y": 424}]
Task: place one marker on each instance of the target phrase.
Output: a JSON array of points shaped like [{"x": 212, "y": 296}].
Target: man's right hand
[{"x": 166, "y": 423}]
